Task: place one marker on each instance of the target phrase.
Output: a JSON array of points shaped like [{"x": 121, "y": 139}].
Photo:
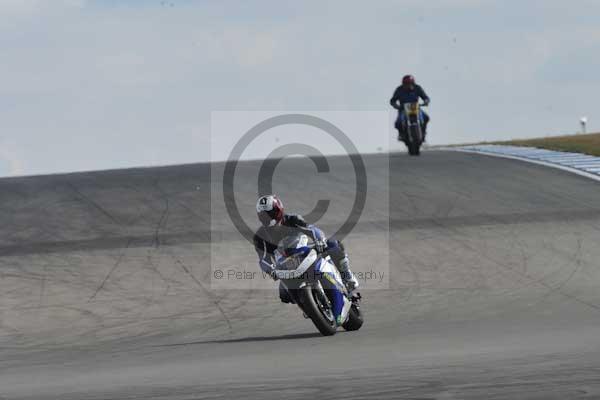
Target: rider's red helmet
[
  {"x": 269, "y": 210},
  {"x": 408, "y": 80}
]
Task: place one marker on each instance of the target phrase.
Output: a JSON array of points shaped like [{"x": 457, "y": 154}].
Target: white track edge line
[{"x": 575, "y": 171}]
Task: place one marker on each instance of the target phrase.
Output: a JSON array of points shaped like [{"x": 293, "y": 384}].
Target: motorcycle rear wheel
[{"x": 355, "y": 319}]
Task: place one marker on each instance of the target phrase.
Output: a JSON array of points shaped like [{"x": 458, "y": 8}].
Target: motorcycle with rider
[
  {"x": 313, "y": 271},
  {"x": 412, "y": 121}
]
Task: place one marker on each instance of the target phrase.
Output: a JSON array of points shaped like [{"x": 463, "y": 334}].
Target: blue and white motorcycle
[{"x": 315, "y": 285}]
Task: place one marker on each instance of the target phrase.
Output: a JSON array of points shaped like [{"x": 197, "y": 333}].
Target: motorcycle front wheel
[
  {"x": 314, "y": 304},
  {"x": 414, "y": 142}
]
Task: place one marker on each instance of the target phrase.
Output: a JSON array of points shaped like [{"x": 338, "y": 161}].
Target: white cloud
[
  {"x": 8, "y": 7},
  {"x": 13, "y": 8},
  {"x": 250, "y": 49}
]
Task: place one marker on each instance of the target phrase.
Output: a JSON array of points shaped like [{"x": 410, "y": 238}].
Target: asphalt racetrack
[{"x": 494, "y": 287}]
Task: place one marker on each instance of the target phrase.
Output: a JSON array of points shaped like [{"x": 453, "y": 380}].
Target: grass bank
[{"x": 587, "y": 144}]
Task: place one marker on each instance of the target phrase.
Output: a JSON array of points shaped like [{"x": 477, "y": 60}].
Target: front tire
[
  {"x": 310, "y": 305},
  {"x": 415, "y": 140},
  {"x": 412, "y": 148}
]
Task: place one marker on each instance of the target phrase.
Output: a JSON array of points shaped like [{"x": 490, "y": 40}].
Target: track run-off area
[{"x": 493, "y": 286}]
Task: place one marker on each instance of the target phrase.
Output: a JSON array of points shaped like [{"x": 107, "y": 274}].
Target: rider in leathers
[
  {"x": 408, "y": 92},
  {"x": 276, "y": 225}
]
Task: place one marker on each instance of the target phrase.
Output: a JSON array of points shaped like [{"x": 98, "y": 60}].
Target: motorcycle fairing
[
  {"x": 341, "y": 305},
  {"x": 307, "y": 262}
]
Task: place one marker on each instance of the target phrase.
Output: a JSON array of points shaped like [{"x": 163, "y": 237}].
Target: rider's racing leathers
[
  {"x": 403, "y": 95},
  {"x": 267, "y": 238}
]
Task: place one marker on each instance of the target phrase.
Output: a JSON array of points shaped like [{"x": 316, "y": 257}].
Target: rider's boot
[
  {"x": 340, "y": 260},
  {"x": 348, "y": 277}
]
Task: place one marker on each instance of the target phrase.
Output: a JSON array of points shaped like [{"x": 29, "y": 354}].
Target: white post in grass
[{"x": 583, "y": 121}]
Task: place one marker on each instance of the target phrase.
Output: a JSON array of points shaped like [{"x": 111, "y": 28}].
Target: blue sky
[{"x": 108, "y": 84}]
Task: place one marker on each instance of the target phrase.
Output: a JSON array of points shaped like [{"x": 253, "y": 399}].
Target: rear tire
[
  {"x": 311, "y": 309},
  {"x": 355, "y": 319}
]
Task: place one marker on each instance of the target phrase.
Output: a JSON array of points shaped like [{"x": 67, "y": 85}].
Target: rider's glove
[
  {"x": 268, "y": 268},
  {"x": 426, "y": 103},
  {"x": 320, "y": 245},
  {"x": 319, "y": 239}
]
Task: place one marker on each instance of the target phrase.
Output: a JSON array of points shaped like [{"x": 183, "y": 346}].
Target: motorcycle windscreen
[{"x": 301, "y": 269}]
